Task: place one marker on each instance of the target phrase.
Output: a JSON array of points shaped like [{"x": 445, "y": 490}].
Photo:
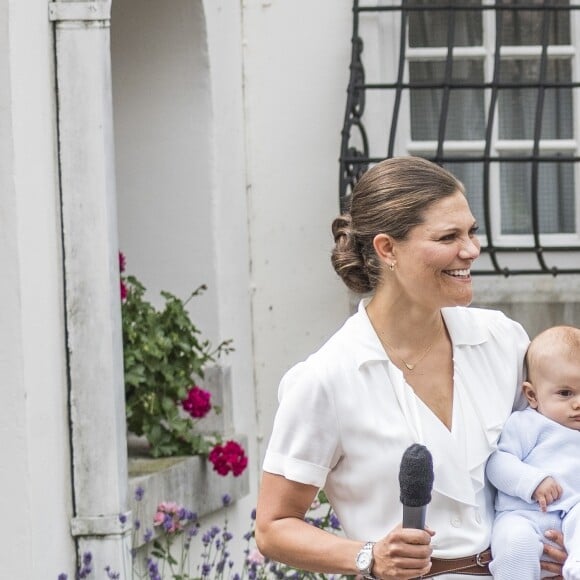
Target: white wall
[
  {"x": 297, "y": 56},
  {"x": 35, "y": 465},
  {"x": 230, "y": 222},
  {"x": 162, "y": 118}
]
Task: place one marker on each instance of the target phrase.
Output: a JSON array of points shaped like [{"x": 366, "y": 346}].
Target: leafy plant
[{"x": 163, "y": 353}]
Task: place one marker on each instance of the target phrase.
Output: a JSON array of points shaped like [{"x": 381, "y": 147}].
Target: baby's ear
[{"x": 530, "y": 394}]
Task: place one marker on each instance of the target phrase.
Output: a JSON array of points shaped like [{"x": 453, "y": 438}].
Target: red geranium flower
[
  {"x": 121, "y": 262},
  {"x": 197, "y": 403},
  {"x": 123, "y": 290},
  {"x": 228, "y": 457}
]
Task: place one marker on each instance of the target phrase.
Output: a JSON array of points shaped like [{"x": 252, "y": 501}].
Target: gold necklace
[{"x": 411, "y": 366}]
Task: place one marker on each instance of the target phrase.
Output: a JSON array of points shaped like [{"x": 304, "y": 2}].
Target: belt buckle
[{"x": 481, "y": 559}]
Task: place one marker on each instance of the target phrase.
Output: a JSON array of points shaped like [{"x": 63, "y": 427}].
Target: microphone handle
[{"x": 414, "y": 516}]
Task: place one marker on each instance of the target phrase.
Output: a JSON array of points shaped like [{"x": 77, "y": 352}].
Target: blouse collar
[{"x": 462, "y": 328}]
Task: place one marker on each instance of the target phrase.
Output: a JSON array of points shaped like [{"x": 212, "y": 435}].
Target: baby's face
[{"x": 557, "y": 391}]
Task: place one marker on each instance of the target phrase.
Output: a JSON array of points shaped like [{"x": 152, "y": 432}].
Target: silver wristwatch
[{"x": 364, "y": 560}]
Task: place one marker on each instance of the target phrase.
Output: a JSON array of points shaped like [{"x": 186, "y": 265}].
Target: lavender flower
[
  {"x": 112, "y": 575},
  {"x": 205, "y": 570},
  {"x": 153, "y": 570},
  {"x": 206, "y": 538},
  {"x": 86, "y": 568},
  {"x": 139, "y": 493}
]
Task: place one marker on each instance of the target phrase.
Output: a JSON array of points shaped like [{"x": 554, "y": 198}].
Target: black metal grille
[{"x": 356, "y": 156}]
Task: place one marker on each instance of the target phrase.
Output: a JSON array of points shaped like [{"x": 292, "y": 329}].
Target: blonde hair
[
  {"x": 390, "y": 198},
  {"x": 562, "y": 340}
]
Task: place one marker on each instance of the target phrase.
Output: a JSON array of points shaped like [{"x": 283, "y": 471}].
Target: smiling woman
[{"x": 413, "y": 365}]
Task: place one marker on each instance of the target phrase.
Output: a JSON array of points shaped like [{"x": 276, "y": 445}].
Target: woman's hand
[
  {"x": 404, "y": 553},
  {"x": 558, "y": 555}
]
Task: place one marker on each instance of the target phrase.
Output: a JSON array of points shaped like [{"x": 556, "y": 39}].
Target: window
[{"x": 488, "y": 90}]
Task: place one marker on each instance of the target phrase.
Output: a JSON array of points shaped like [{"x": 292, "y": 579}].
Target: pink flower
[
  {"x": 228, "y": 457},
  {"x": 256, "y": 557},
  {"x": 197, "y": 403},
  {"x": 122, "y": 262},
  {"x": 172, "y": 517},
  {"x": 169, "y": 507}
]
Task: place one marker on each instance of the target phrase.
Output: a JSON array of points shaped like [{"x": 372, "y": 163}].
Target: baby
[{"x": 536, "y": 468}]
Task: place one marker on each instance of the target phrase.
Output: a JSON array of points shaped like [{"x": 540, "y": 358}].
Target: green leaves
[{"x": 163, "y": 353}]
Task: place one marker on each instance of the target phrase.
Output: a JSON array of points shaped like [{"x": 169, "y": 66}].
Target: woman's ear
[
  {"x": 530, "y": 394},
  {"x": 384, "y": 248}
]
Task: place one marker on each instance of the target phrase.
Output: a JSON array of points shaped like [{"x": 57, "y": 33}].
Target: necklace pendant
[{"x": 409, "y": 365}]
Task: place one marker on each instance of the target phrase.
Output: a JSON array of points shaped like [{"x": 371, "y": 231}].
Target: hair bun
[
  {"x": 341, "y": 228},
  {"x": 346, "y": 257}
]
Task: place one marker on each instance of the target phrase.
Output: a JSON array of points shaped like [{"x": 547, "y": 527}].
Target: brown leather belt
[{"x": 476, "y": 565}]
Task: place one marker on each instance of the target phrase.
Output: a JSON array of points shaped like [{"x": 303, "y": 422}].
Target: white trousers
[{"x": 518, "y": 540}]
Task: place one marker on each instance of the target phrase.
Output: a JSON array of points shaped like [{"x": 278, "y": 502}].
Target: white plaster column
[{"x": 101, "y": 522}]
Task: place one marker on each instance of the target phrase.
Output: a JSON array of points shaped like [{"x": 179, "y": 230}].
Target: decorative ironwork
[
  {"x": 355, "y": 159},
  {"x": 354, "y": 162}
]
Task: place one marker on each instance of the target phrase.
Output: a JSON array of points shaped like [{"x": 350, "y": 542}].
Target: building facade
[{"x": 203, "y": 139}]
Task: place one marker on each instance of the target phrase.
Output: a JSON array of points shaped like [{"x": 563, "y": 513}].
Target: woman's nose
[{"x": 470, "y": 249}]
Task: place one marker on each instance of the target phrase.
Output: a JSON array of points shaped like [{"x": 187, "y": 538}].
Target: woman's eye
[{"x": 473, "y": 231}]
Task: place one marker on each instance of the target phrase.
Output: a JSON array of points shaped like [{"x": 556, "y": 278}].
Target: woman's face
[{"x": 433, "y": 264}]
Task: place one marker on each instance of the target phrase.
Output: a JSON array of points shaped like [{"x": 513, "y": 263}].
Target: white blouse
[{"x": 346, "y": 416}]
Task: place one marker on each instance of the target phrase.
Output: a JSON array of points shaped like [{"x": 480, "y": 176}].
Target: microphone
[{"x": 416, "y": 482}]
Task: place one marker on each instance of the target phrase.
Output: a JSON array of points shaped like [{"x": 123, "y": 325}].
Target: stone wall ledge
[{"x": 189, "y": 481}]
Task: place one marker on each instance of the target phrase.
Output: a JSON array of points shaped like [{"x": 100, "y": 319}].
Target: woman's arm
[{"x": 284, "y": 536}]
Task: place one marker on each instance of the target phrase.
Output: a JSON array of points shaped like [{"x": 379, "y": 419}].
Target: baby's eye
[{"x": 565, "y": 392}]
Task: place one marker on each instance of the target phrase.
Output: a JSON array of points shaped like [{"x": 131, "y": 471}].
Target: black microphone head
[{"x": 416, "y": 476}]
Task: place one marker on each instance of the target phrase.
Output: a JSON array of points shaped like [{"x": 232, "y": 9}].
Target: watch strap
[{"x": 366, "y": 572}]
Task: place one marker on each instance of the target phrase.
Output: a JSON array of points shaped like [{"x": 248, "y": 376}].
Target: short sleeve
[{"x": 304, "y": 445}]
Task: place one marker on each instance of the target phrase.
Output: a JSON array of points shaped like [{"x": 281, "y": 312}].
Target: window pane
[
  {"x": 524, "y": 27},
  {"x": 428, "y": 28},
  {"x": 556, "y": 205},
  {"x": 471, "y": 175},
  {"x": 517, "y": 107},
  {"x": 465, "y": 118}
]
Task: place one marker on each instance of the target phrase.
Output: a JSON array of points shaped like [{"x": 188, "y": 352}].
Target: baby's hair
[
  {"x": 390, "y": 198},
  {"x": 562, "y": 340}
]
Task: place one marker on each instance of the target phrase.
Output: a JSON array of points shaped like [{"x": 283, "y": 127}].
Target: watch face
[{"x": 363, "y": 561}]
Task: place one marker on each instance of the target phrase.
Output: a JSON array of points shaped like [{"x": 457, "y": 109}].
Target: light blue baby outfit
[{"x": 531, "y": 448}]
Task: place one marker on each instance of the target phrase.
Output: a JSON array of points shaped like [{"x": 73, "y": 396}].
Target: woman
[{"x": 413, "y": 365}]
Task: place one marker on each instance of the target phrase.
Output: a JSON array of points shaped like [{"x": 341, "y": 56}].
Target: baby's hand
[{"x": 547, "y": 492}]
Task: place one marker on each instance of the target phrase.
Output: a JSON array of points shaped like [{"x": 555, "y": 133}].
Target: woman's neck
[{"x": 405, "y": 326}]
